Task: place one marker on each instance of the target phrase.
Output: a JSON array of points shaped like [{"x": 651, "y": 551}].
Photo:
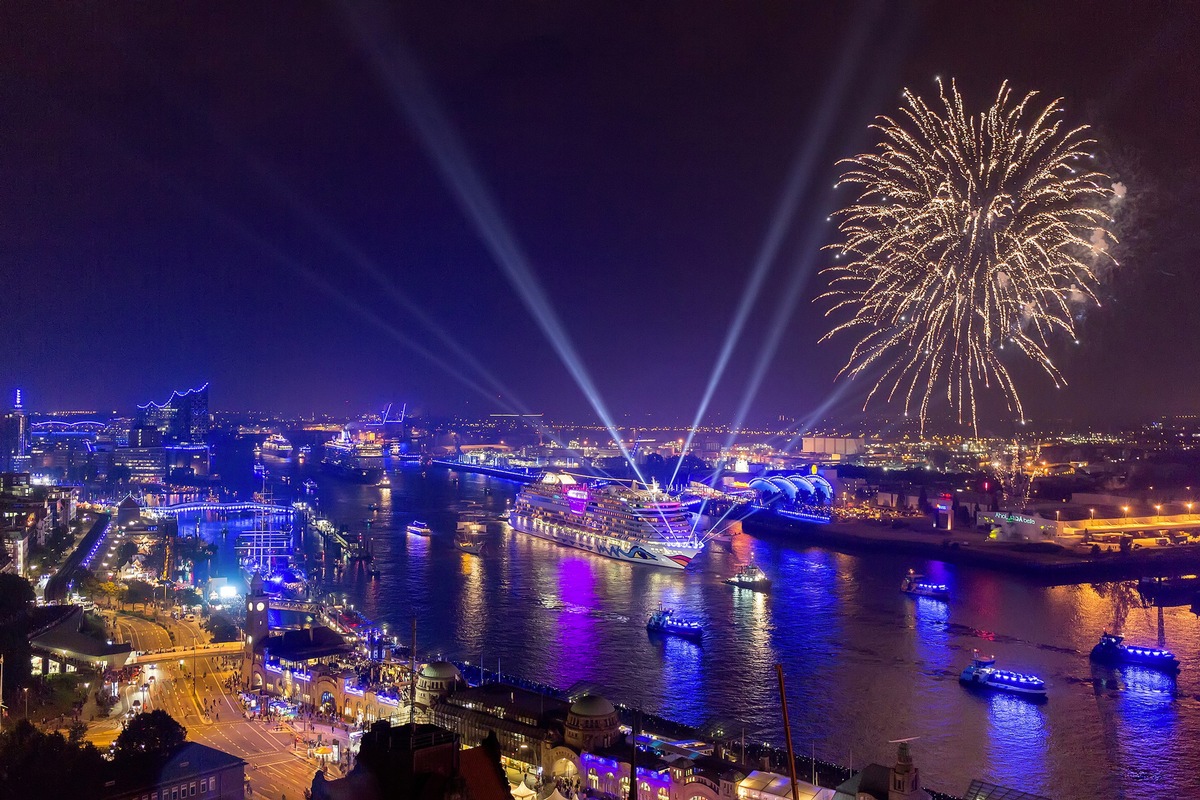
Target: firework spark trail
[{"x": 969, "y": 232}]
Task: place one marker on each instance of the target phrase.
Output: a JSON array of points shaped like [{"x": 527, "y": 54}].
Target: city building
[
  {"x": 14, "y": 438},
  {"x": 193, "y": 770},
  {"x": 422, "y": 762},
  {"x": 901, "y": 781},
  {"x": 59, "y": 644},
  {"x": 308, "y": 666},
  {"x": 145, "y": 464},
  {"x": 183, "y": 418}
]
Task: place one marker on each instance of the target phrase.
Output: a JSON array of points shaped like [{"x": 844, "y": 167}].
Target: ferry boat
[
  {"x": 469, "y": 535},
  {"x": 276, "y": 446},
  {"x": 1112, "y": 651},
  {"x": 915, "y": 584},
  {"x": 665, "y": 621},
  {"x": 356, "y": 454},
  {"x": 749, "y": 576},
  {"x": 640, "y": 526},
  {"x": 419, "y": 528},
  {"x": 309, "y": 485},
  {"x": 982, "y": 673}
]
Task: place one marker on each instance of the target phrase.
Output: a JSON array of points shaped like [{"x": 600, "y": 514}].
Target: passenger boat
[
  {"x": 983, "y": 674},
  {"x": 665, "y": 621},
  {"x": 309, "y": 485},
  {"x": 419, "y": 528},
  {"x": 749, "y": 576},
  {"x": 915, "y": 584},
  {"x": 1112, "y": 651}
]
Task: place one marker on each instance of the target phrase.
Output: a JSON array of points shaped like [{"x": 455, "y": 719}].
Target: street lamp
[
  {"x": 26, "y": 691},
  {"x": 1125, "y": 509},
  {"x": 1158, "y": 508},
  {"x": 1092, "y": 513}
]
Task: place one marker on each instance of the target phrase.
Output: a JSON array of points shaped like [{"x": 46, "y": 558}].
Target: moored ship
[{"x": 641, "y": 526}]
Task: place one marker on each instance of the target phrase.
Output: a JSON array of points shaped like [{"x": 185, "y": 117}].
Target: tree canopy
[
  {"x": 16, "y": 594},
  {"x": 155, "y": 734},
  {"x": 41, "y": 765}
]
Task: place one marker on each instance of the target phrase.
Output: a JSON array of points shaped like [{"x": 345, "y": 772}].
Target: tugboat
[
  {"x": 1111, "y": 651},
  {"x": 665, "y": 621},
  {"x": 419, "y": 528},
  {"x": 914, "y": 585},
  {"x": 983, "y": 674},
  {"x": 749, "y": 576}
]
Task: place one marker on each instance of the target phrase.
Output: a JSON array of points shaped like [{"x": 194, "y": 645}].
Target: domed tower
[
  {"x": 257, "y": 604},
  {"x": 592, "y": 723},
  {"x": 436, "y": 680}
]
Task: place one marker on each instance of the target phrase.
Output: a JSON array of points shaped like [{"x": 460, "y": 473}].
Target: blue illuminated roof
[{"x": 174, "y": 395}]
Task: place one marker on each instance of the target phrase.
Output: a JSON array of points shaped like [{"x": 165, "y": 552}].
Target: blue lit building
[{"x": 183, "y": 418}]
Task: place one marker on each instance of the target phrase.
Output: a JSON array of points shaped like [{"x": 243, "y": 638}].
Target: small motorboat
[
  {"x": 1112, "y": 651},
  {"x": 419, "y": 528},
  {"x": 983, "y": 674},
  {"x": 372, "y": 506},
  {"x": 385, "y": 482},
  {"x": 665, "y": 621},
  {"x": 749, "y": 576},
  {"x": 917, "y": 586}
]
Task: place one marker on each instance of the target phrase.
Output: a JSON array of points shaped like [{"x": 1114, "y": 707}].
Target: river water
[{"x": 864, "y": 663}]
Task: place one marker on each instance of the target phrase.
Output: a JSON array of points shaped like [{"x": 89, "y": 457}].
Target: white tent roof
[
  {"x": 522, "y": 792},
  {"x": 555, "y": 796}
]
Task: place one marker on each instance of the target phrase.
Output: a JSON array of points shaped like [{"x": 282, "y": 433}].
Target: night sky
[{"x": 198, "y": 191}]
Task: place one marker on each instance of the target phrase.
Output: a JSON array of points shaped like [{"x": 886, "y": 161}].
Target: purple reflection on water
[{"x": 575, "y": 627}]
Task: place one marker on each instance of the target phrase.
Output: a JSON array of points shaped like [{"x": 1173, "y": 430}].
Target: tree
[
  {"x": 139, "y": 592},
  {"x": 223, "y": 628},
  {"x": 16, "y": 594},
  {"x": 155, "y": 735},
  {"x": 41, "y": 765},
  {"x": 118, "y": 474}
]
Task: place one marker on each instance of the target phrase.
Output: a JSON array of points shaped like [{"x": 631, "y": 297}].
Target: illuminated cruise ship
[
  {"x": 356, "y": 453},
  {"x": 276, "y": 446},
  {"x": 642, "y": 526}
]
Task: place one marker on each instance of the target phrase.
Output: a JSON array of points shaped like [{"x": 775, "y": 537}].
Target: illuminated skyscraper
[{"x": 14, "y": 438}]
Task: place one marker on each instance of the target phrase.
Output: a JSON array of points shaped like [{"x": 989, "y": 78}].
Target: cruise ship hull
[{"x": 653, "y": 554}]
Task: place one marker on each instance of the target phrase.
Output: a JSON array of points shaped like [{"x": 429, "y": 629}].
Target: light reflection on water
[{"x": 864, "y": 663}]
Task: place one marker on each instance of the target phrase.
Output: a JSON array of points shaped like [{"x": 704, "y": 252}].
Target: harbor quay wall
[{"x": 1036, "y": 561}]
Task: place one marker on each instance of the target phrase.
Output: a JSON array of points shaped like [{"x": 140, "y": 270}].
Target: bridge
[
  {"x": 176, "y": 653},
  {"x": 223, "y": 508},
  {"x": 296, "y": 605}
]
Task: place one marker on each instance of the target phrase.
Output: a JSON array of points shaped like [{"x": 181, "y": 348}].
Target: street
[{"x": 210, "y": 712}]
